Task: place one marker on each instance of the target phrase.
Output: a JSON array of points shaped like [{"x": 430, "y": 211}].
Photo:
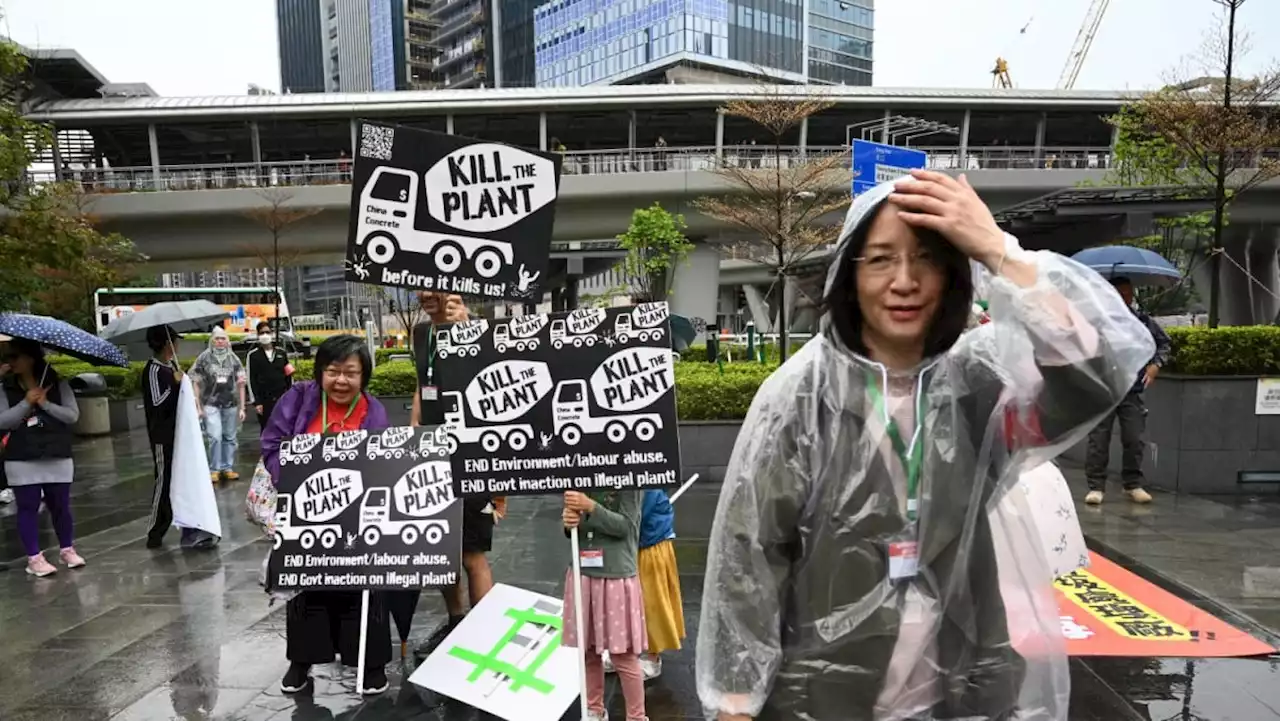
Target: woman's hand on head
[
  {"x": 579, "y": 502},
  {"x": 950, "y": 207}
]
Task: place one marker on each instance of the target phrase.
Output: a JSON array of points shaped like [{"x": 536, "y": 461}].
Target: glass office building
[
  {"x": 584, "y": 42},
  {"x": 840, "y": 35},
  {"x": 384, "y": 39}
]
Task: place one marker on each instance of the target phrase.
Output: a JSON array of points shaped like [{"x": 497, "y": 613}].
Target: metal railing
[{"x": 580, "y": 162}]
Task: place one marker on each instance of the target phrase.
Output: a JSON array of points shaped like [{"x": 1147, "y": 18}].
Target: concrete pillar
[
  {"x": 1266, "y": 274},
  {"x": 557, "y": 300},
  {"x": 804, "y": 138},
  {"x": 355, "y": 136},
  {"x": 448, "y": 123},
  {"x": 571, "y": 293},
  {"x": 631, "y": 129},
  {"x": 964, "y": 139},
  {"x": 758, "y": 307},
  {"x": 719, "y": 134},
  {"x": 884, "y": 129},
  {"x": 1234, "y": 305},
  {"x": 542, "y": 132},
  {"x": 1040, "y": 128},
  {"x": 696, "y": 284},
  {"x": 255, "y": 139},
  {"x": 155, "y": 154},
  {"x": 57, "y": 158}
]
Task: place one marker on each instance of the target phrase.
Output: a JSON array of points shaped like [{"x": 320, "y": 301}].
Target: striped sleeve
[{"x": 159, "y": 388}]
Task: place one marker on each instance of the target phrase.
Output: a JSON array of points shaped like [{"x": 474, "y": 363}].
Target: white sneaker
[
  {"x": 1093, "y": 498},
  {"x": 594, "y": 716},
  {"x": 6, "y": 496},
  {"x": 652, "y": 667}
]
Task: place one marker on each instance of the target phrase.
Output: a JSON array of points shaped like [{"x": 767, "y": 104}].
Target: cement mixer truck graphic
[
  {"x": 577, "y": 329},
  {"x": 642, "y": 323},
  {"x": 388, "y": 444},
  {"x": 297, "y": 450},
  {"x": 462, "y": 339},
  {"x": 435, "y": 444},
  {"x": 375, "y": 524},
  {"x": 516, "y": 435},
  {"x": 387, "y": 226},
  {"x": 520, "y": 333},
  {"x": 572, "y": 417},
  {"x": 343, "y": 447}
]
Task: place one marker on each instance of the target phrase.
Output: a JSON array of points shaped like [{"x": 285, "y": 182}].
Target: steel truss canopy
[{"x": 1072, "y": 219}]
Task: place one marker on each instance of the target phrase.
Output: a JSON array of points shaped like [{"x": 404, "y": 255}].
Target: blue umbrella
[
  {"x": 1140, "y": 266},
  {"x": 63, "y": 337}
]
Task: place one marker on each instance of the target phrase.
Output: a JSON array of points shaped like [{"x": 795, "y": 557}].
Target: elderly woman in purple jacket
[{"x": 320, "y": 625}]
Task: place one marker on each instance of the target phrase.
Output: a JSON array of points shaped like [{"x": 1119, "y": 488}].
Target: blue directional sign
[{"x": 875, "y": 163}]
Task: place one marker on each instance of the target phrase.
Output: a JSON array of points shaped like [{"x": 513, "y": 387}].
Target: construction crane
[
  {"x": 1084, "y": 41},
  {"x": 1000, "y": 74}
]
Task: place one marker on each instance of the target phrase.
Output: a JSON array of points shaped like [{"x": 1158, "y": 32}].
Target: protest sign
[
  {"x": 582, "y": 400},
  {"x": 445, "y": 213},
  {"x": 505, "y": 658},
  {"x": 366, "y": 510}
]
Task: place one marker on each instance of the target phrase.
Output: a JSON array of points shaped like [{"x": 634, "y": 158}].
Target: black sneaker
[
  {"x": 153, "y": 542},
  {"x": 297, "y": 678},
  {"x": 375, "y": 681}
]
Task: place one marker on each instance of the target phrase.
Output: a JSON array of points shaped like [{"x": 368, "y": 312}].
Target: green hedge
[{"x": 1236, "y": 351}]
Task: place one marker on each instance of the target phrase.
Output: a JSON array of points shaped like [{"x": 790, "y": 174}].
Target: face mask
[{"x": 265, "y": 339}]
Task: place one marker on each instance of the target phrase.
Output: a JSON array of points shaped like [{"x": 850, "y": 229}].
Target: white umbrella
[{"x": 186, "y": 316}]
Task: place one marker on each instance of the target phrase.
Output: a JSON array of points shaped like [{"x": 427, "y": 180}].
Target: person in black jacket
[
  {"x": 161, "y": 380},
  {"x": 268, "y": 371}
]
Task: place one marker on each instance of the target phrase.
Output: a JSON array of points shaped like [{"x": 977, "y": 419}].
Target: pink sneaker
[
  {"x": 37, "y": 566},
  {"x": 71, "y": 559}
]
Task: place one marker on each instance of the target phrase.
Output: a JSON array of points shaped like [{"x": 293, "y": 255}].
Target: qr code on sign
[{"x": 376, "y": 142}]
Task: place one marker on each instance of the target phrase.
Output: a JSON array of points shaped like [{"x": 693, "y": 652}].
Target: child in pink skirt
[{"x": 608, "y": 524}]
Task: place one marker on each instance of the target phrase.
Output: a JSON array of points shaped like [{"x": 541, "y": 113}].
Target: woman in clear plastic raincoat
[{"x": 851, "y": 572}]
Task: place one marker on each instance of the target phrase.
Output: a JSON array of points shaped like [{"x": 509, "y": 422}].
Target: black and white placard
[
  {"x": 366, "y": 510},
  {"x": 440, "y": 212},
  {"x": 541, "y": 404}
]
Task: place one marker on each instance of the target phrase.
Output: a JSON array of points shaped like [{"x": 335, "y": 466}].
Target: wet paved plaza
[{"x": 168, "y": 634}]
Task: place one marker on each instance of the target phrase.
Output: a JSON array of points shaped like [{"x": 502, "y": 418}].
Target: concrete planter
[
  {"x": 127, "y": 415},
  {"x": 1201, "y": 432}
]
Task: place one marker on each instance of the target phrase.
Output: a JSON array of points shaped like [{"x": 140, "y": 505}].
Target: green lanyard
[
  {"x": 431, "y": 352},
  {"x": 912, "y": 458},
  {"x": 324, "y": 411}
]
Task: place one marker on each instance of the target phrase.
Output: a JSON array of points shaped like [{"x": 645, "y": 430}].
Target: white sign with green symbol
[{"x": 505, "y": 658}]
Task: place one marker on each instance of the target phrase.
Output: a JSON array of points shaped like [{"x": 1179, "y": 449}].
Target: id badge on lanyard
[{"x": 904, "y": 553}]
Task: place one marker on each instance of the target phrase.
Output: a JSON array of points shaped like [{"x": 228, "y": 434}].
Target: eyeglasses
[
  {"x": 334, "y": 374},
  {"x": 882, "y": 264}
]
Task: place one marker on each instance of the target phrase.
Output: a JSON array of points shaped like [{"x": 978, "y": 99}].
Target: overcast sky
[{"x": 217, "y": 47}]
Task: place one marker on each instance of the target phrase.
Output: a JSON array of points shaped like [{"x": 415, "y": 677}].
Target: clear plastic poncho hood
[{"x": 800, "y": 618}]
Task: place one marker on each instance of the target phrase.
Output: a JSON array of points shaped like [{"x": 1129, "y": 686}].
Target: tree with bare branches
[
  {"x": 277, "y": 219},
  {"x": 1222, "y": 126},
  {"x": 780, "y": 199}
]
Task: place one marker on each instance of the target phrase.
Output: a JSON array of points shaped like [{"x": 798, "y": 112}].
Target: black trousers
[
  {"x": 265, "y": 415},
  {"x": 322, "y": 625},
  {"x": 161, "y": 506},
  {"x": 1132, "y": 414}
]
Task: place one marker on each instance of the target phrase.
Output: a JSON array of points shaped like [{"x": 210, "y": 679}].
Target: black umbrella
[{"x": 402, "y": 605}]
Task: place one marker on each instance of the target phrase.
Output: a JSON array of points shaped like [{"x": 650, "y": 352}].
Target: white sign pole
[
  {"x": 578, "y": 622},
  {"x": 680, "y": 491},
  {"x": 364, "y": 641}
]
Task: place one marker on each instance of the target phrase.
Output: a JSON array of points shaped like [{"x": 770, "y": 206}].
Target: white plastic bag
[{"x": 190, "y": 492}]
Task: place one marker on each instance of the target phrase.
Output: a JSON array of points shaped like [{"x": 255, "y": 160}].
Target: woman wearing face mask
[
  {"x": 322, "y": 624},
  {"x": 851, "y": 571},
  {"x": 268, "y": 374},
  {"x": 37, "y": 411},
  {"x": 219, "y": 380}
]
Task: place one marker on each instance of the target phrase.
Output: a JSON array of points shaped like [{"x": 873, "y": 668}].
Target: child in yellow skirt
[{"x": 659, "y": 581}]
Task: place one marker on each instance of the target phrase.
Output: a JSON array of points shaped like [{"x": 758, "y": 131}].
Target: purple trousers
[{"x": 57, "y": 498}]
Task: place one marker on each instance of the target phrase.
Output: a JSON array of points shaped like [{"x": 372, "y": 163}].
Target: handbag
[{"x": 260, "y": 503}]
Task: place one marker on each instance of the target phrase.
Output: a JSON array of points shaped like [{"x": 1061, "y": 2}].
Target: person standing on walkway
[
  {"x": 37, "y": 410},
  {"x": 6, "y": 493},
  {"x": 219, "y": 380},
  {"x": 1132, "y": 414},
  {"x": 608, "y": 524},
  {"x": 852, "y": 562},
  {"x": 479, "y": 514},
  {"x": 268, "y": 371},
  {"x": 320, "y": 625},
  {"x": 161, "y": 382}
]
